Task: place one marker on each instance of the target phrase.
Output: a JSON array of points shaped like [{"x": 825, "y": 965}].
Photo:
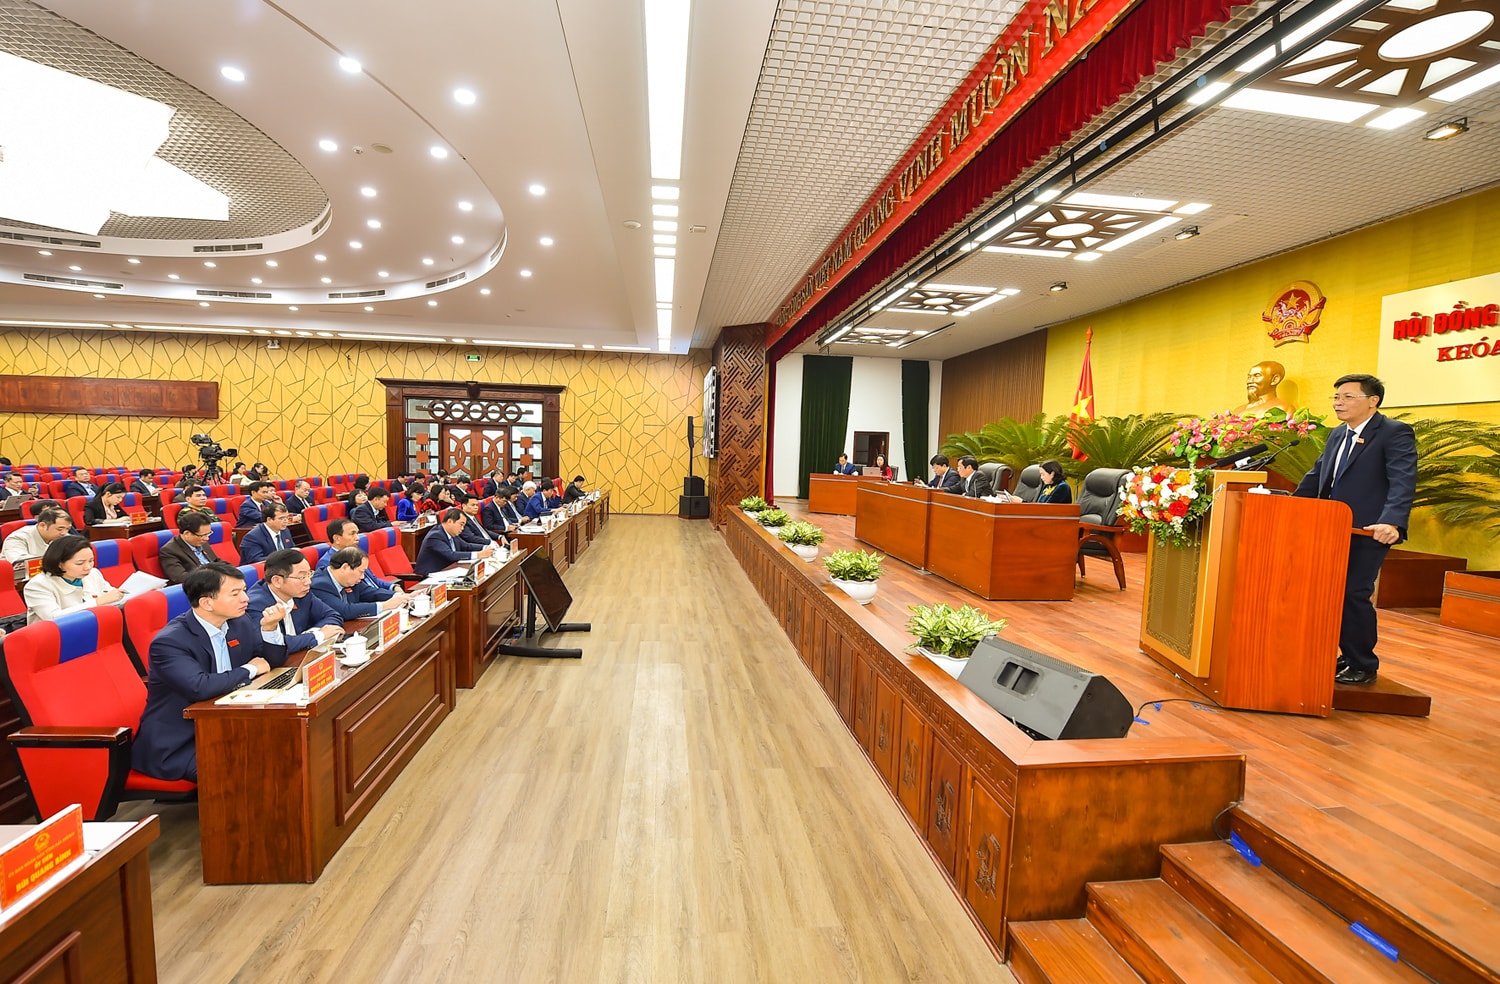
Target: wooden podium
[{"x": 1249, "y": 615}]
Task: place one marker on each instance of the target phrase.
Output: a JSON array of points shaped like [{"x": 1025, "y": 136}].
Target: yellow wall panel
[{"x": 315, "y": 407}]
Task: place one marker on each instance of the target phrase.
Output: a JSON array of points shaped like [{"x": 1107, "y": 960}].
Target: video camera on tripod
[{"x": 211, "y": 452}]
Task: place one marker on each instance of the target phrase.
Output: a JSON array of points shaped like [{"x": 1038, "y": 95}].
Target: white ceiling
[{"x": 795, "y": 112}]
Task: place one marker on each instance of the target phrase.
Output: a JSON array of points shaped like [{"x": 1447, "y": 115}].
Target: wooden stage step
[
  {"x": 1065, "y": 951},
  {"x": 1439, "y": 927},
  {"x": 1286, "y": 930},
  {"x": 1384, "y": 696},
  {"x": 1165, "y": 939}
]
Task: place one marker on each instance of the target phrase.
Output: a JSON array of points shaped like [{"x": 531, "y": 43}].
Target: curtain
[
  {"x": 915, "y": 382},
  {"x": 1153, "y": 33},
  {"x": 825, "y": 415}
]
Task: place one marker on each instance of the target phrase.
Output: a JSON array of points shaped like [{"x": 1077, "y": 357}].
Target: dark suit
[
  {"x": 1058, "y": 495},
  {"x": 497, "y": 518},
  {"x": 437, "y": 553},
  {"x": 367, "y": 519},
  {"x": 250, "y": 514},
  {"x": 571, "y": 492},
  {"x": 308, "y": 612},
  {"x": 178, "y": 560},
  {"x": 849, "y": 468},
  {"x": 141, "y": 488},
  {"x": 385, "y": 589},
  {"x": 978, "y": 485},
  {"x": 473, "y": 535},
  {"x": 182, "y": 672},
  {"x": 295, "y": 504},
  {"x": 1378, "y": 483},
  {"x": 949, "y": 481},
  {"x": 72, "y": 489},
  {"x": 536, "y": 506},
  {"x": 6, "y": 493},
  {"x": 259, "y": 544},
  {"x": 361, "y": 601},
  {"x": 93, "y": 512}
]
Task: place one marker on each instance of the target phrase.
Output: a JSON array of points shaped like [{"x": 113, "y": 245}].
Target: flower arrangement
[
  {"x": 951, "y": 631},
  {"x": 801, "y": 533},
  {"x": 1198, "y": 438},
  {"x": 773, "y": 518},
  {"x": 1164, "y": 501},
  {"x": 753, "y": 504}
]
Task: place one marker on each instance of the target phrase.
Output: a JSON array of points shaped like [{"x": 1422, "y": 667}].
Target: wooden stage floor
[{"x": 1428, "y": 788}]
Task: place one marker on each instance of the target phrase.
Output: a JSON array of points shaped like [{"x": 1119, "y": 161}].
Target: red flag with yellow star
[{"x": 1083, "y": 397}]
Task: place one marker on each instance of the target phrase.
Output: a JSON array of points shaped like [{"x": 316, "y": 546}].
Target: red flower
[{"x": 1178, "y": 508}]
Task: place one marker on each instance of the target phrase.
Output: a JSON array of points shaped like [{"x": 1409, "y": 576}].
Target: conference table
[
  {"x": 486, "y": 613},
  {"x": 999, "y": 551},
  {"x": 835, "y": 493},
  {"x": 563, "y": 541},
  {"x": 282, "y": 786},
  {"x": 139, "y": 523}
]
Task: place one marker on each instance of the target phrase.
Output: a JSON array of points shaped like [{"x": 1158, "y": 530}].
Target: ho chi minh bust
[{"x": 1260, "y": 389}]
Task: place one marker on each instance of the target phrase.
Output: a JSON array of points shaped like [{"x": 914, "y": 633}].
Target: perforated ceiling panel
[
  {"x": 844, "y": 90},
  {"x": 269, "y": 191}
]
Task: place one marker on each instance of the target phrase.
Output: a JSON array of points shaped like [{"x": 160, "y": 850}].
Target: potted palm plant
[
  {"x": 773, "y": 519},
  {"x": 803, "y": 537},
  {"x": 855, "y": 572},
  {"x": 948, "y": 635},
  {"x": 753, "y": 504}
]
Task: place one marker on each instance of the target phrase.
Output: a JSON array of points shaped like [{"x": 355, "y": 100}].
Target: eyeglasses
[
  {"x": 300, "y": 577},
  {"x": 1350, "y": 397}
]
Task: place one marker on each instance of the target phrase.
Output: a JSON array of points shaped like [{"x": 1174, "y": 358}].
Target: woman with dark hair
[
  {"x": 69, "y": 582},
  {"x": 259, "y": 473},
  {"x": 241, "y": 476},
  {"x": 1055, "y": 488},
  {"x": 439, "y": 497},
  {"x": 105, "y": 506},
  {"x": 189, "y": 476},
  {"x": 885, "y": 469}
]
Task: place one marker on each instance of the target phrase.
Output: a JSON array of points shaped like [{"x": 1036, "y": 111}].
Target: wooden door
[{"x": 472, "y": 450}]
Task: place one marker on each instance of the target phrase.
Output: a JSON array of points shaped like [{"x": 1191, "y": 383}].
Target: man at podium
[{"x": 1370, "y": 464}]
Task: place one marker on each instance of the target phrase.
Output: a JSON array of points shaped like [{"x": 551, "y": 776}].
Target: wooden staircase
[{"x": 1213, "y": 917}]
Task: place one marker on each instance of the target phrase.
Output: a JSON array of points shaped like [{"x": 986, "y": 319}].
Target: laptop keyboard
[{"x": 281, "y": 680}]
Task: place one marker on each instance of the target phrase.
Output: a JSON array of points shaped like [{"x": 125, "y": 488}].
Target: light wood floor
[{"x": 681, "y": 805}]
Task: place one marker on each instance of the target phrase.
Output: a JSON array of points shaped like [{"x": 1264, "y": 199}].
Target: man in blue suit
[
  {"x": 370, "y": 516},
  {"x": 536, "y": 503},
  {"x": 1370, "y": 464},
  {"x": 80, "y": 485},
  {"x": 496, "y": 515},
  {"x": 345, "y": 586},
  {"x": 269, "y": 537},
  {"x": 258, "y": 495},
  {"x": 343, "y": 534},
  {"x": 306, "y": 621},
  {"x": 442, "y": 547},
  {"x": 943, "y": 477},
  {"x": 202, "y": 654},
  {"x": 845, "y": 466},
  {"x": 301, "y": 498},
  {"x": 473, "y": 536}
]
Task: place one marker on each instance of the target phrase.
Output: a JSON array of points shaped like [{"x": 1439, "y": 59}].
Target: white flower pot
[
  {"x": 951, "y": 665},
  {"x": 773, "y": 530},
  {"x": 807, "y": 551},
  {"x": 861, "y": 591}
]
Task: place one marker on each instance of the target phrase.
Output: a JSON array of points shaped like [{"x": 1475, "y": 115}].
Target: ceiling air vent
[
  {"x": 322, "y": 223},
  {"x": 22, "y": 237},
  {"x": 496, "y": 254},
  {"x": 350, "y": 294},
  {"x": 447, "y": 280},
  {"x": 38, "y": 278},
  {"x": 228, "y": 247},
  {"x": 253, "y": 294}
]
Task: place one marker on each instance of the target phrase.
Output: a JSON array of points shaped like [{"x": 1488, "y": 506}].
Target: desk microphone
[
  {"x": 1265, "y": 460},
  {"x": 1234, "y": 457}
]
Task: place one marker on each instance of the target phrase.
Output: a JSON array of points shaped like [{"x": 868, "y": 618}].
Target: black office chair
[
  {"x": 1099, "y": 507},
  {"x": 1029, "y": 485},
  {"x": 998, "y": 473}
]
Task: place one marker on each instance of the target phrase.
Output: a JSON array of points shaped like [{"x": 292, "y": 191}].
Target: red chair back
[
  {"x": 55, "y": 489},
  {"x": 169, "y": 513},
  {"x": 131, "y": 503},
  {"x": 220, "y": 491},
  {"x": 316, "y": 519},
  {"x": 144, "y": 550},
  {"x": 148, "y": 613},
  {"x": 223, "y": 543},
  {"x": 74, "y": 672},
  {"x": 11, "y": 602},
  {"x": 315, "y": 553},
  {"x": 112, "y": 557},
  {"x": 6, "y": 529},
  {"x": 75, "y": 509},
  {"x": 386, "y": 546}
]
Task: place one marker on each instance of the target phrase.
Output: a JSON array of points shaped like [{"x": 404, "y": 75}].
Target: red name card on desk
[
  {"x": 42, "y": 853},
  {"x": 439, "y": 595},
  {"x": 33, "y": 567},
  {"x": 320, "y": 674},
  {"x": 390, "y": 631}
]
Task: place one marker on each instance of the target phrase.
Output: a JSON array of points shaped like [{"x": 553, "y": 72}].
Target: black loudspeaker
[
  {"x": 1044, "y": 696},
  {"x": 692, "y": 506},
  {"x": 691, "y": 442},
  {"x": 692, "y": 485}
]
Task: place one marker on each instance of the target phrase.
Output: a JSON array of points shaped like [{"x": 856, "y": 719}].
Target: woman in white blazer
[{"x": 68, "y": 582}]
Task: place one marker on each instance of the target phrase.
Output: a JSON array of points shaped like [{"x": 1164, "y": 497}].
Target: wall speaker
[
  {"x": 690, "y": 434},
  {"x": 693, "y": 485},
  {"x": 1044, "y": 696}
]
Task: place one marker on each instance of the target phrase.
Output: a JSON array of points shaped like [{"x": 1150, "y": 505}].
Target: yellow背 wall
[
  {"x": 1188, "y": 349},
  {"x": 314, "y": 407}
]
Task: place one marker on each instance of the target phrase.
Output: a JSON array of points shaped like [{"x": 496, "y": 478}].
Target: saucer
[{"x": 354, "y": 660}]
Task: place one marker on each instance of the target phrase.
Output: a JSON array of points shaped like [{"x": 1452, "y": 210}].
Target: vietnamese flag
[{"x": 1083, "y": 397}]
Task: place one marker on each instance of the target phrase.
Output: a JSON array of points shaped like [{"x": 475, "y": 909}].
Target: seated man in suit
[
  {"x": 306, "y": 621},
  {"x": 370, "y": 516},
  {"x": 301, "y": 497},
  {"x": 52, "y": 523},
  {"x": 473, "y": 536},
  {"x": 146, "y": 483},
  {"x": 14, "y": 485},
  {"x": 574, "y": 490},
  {"x": 258, "y": 495},
  {"x": 189, "y": 549},
  {"x": 975, "y": 484},
  {"x": 269, "y": 537},
  {"x": 943, "y": 477},
  {"x": 534, "y": 503},
  {"x": 551, "y": 498},
  {"x": 845, "y": 466},
  {"x": 442, "y": 547},
  {"x": 81, "y": 484},
  {"x": 344, "y": 585},
  {"x": 202, "y": 654},
  {"x": 343, "y": 534},
  {"x": 499, "y": 515},
  {"x": 195, "y": 499}
]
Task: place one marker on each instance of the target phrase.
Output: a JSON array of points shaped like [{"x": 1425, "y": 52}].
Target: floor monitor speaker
[
  {"x": 692, "y": 506},
  {"x": 1045, "y": 696}
]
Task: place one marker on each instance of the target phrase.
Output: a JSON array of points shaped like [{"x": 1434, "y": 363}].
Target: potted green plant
[
  {"x": 944, "y": 633},
  {"x": 803, "y": 537},
  {"x": 753, "y": 504},
  {"x": 773, "y": 519},
  {"x": 855, "y": 572}
]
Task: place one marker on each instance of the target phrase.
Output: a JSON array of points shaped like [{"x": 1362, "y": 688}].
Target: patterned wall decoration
[
  {"x": 315, "y": 406},
  {"x": 740, "y": 356}
]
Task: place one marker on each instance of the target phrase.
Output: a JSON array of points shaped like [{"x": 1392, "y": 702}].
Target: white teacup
[
  {"x": 354, "y": 647},
  {"x": 421, "y": 605}
]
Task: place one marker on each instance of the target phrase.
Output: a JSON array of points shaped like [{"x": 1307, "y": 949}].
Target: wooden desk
[
  {"x": 411, "y": 539},
  {"x": 486, "y": 613},
  {"x": 832, "y": 493},
  {"x": 552, "y": 543},
  {"x": 145, "y": 525},
  {"x": 280, "y": 788},
  {"x": 893, "y": 519},
  {"x": 1024, "y": 552},
  {"x": 95, "y": 926}
]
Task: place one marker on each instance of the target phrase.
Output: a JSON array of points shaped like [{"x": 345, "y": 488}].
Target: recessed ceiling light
[
  {"x": 292, "y": 308},
  {"x": 232, "y": 74},
  {"x": 667, "y": 23},
  {"x": 383, "y": 273},
  {"x": 662, "y": 225},
  {"x": 458, "y": 240},
  {"x": 356, "y": 244},
  {"x": 665, "y": 251},
  {"x": 271, "y": 263},
  {"x": 367, "y": 191},
  {"x": 665, "y": 211},
  {"x": 458, "y": 341},
  {"x": 373, "y": 223},
  {"x": 525, "y": 273},
  {"x": 210, "y": 264},
  {"x": 323, "y": 334},
  {"x": 485, "y": 291},
  {"x": 131, "y": 260},
  {"x": 369, "y": 307},
  {"x": 350, "y": 65},
  {"x": 172, "y": 276},
  {"x": 328, "y": 145},
  {"x": 320, "y": 257},
  {"x": 432, "y": 303},
  {"x": 537, "y": 189},
  {"x": 441, "y": 153},
  {"x": 203, "y": 304},
  {"x": 664, "y": 240},
  {"x": 1394, "y": 119},
  {"x": 1192, "y": 208},
  {"x": 48, "y": 252},
  {"x": 76, "y": 269},
  {"x": 545, "y": 240},
  {"x": 466, "y": 206},
  {"x": 631, "y": 224},
  {"x": 1443, "y": 131},
  {"x": 327, "y": 280},
  {"x": 99, "y": 296},
  {"x": 1058, "y": 287},
  {"x": 1087, "y": 257},
  {"x": 282, "y": 331},
  {"x": 255, "y": 280},
  {"x": 427, "y": 261},
  {"x": 664, "y": 192},
  {"x": 464, "y": 97}
]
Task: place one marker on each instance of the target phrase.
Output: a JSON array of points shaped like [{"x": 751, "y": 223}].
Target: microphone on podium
[
  {"x": 1233, "y": 458},
  {"x": 1265, "y": 460}
]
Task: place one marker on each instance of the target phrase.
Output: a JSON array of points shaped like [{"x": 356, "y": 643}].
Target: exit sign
[{"x": 471, "y": 358}]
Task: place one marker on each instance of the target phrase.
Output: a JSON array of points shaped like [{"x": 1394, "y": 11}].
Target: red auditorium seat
[
  {"x": 316, "y": 519},
  {"x": 169, "y": 513},
  {"x": 79, "y": 698},
  {"x": 6, "y": 529},
  {"x": 112, "y": 557},
  {"x": 384, "y": 548},
  {"x": 223, "y": 543},
  {"x": 12, "y": 605},
  {"x": 145, "y": 548},
  {"x": 75, "y": 509},
  {"x": 147, "y": 614}
]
